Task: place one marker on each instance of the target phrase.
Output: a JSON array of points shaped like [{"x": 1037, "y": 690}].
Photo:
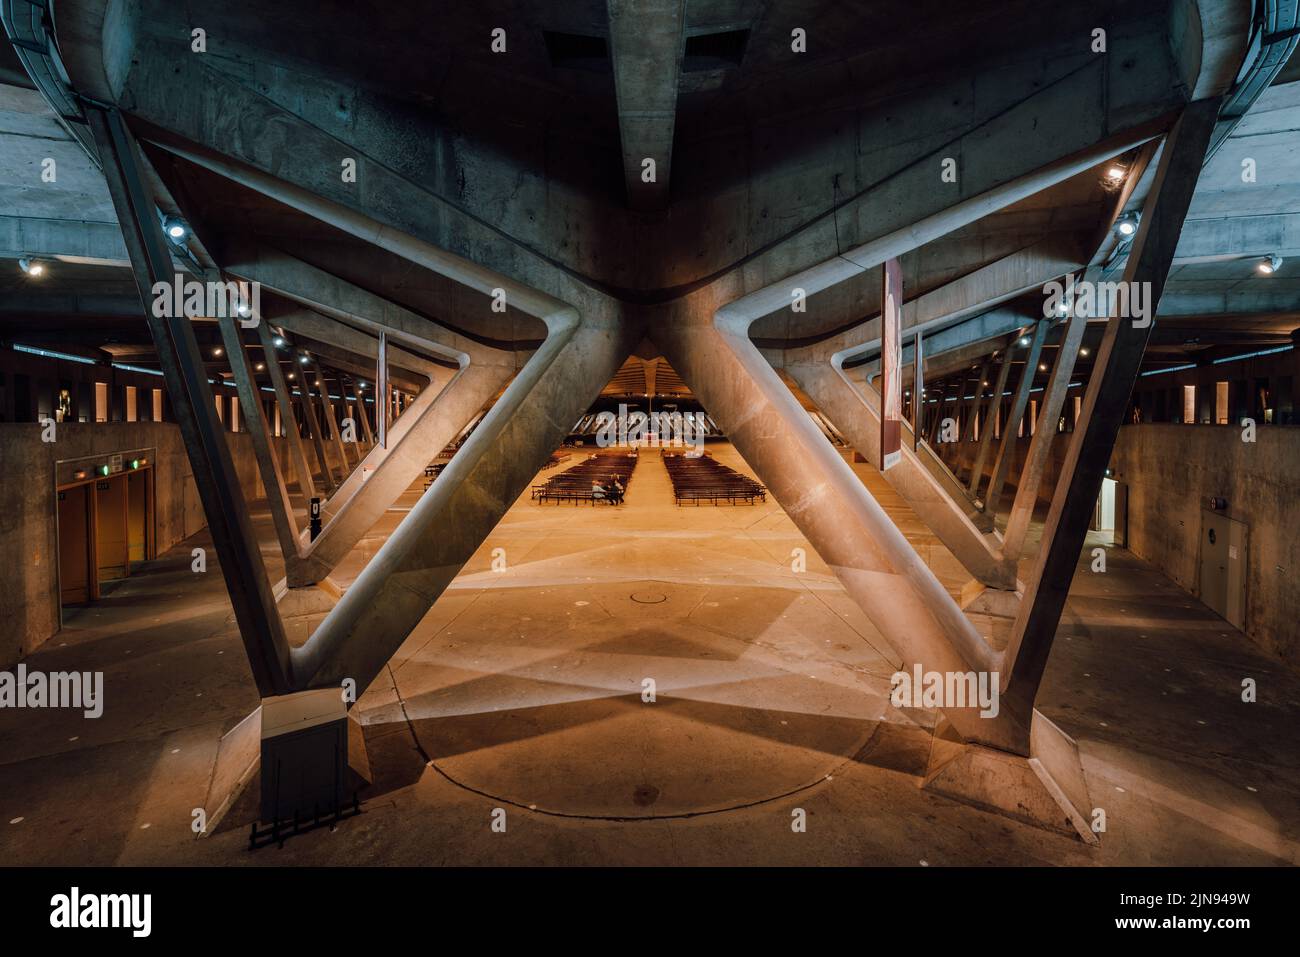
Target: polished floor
[{"x": 524, "y": 690}]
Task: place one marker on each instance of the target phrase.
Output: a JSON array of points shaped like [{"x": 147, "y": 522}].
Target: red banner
[{"x": 891, "y": 364}]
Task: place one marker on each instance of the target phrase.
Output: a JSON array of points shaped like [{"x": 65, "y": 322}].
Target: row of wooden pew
[
  {"x": 701, "y": 478},
  {"x": 574, "y": 483}
]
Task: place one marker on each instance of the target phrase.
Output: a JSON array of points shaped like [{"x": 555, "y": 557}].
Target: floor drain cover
[{"x": 648, "y": 597}]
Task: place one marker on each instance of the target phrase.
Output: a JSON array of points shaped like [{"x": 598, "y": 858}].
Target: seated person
[
  {"x": 597, "y": 491},
  {"x": 616, "y": 490}
]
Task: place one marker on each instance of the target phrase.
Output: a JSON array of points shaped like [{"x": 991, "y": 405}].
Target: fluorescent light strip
[
  {"x": 1170, "y": 369},
  {"x": 1252, "y": 355},
  {"x": 67, "y": 357},
  {"x": 127, "y": 368}
]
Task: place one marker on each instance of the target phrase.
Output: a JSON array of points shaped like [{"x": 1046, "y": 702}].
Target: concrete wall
[
  {"x": 1172, "y": 469},
  {"x": 29, "y": 600}
]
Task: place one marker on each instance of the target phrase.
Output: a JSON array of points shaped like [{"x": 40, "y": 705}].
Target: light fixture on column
[
  {"x": 175, "y": 229},
  {"x": 1269, "y": 265},
  {"x": 1115, "y": 174},
  {"x": 32, "y": 268},
  {"x": 1127, "y": 224}
]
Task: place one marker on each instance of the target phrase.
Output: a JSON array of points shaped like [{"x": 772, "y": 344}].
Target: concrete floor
[{"x": 521, "y": 690}]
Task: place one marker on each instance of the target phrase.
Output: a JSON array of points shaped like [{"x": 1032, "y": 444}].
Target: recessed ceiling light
[
  {"x": 1116, "y": 173},
  {"x": 1127, "y": 224},
  {"x": 175, "y": 229}
]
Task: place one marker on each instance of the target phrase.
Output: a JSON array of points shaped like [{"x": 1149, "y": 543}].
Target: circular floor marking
[
  {"x": 735, "y": 723},
  {"x": 648, "y": 597}
]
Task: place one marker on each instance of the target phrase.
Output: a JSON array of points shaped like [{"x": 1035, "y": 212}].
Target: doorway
[
  {"x": 105, "y": 527},
  {"x": 1223, "y": 566},
  {"x": 78, "y": 582}
]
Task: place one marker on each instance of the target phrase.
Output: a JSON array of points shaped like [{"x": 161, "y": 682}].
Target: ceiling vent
[
  {"x": 575, "y": 51},
  {"x": 714, "y": 51}
]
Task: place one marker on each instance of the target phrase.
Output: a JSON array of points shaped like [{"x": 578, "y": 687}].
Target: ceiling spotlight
[
  {"x": 244, "y": 310},
  {"x": 1269, "y": 264},
  {"x": 175, "y": 229},
  {"x": 1023, "y": 340},
  {"x": 1116, "y": 174},
  {"x": 217, "y": 351},
  {"x": 33, "y": 269},
  {"x": 1083, "y": 352},
  {"x": 290, "y": 375},
  {"x": 260, "y": 366},
  {"x": 1127, "y": 224},
  {"x": 1042, "y": 367},
  {"x": 278, "y": 341},
  {"x": 303, "y": 359}
]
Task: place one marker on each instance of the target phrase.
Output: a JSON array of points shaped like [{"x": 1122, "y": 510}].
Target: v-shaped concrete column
[
  {"x": 856, "y": 413},
  {"x": 436, "y": 417},
  {"x": 1019, "y": 403},
  {"x": 450, "y": 521},
  {"x": 298, "y": 454},
  {"x": 993, "y": 410},
  {"x": 826, "y": 500},
  {"x": 1111, "y": 384}
]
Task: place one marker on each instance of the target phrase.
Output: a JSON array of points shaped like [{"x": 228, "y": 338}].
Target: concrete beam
[
  {"x": 646, "y": 39},
  {"x": 75, "y": 240}
]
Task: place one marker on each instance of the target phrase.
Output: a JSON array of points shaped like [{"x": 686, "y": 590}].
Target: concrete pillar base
[
  {"x": 1046, "y": 789},
  {"x": 978, "y": 599},
  {"x": 234, "y": 795},
  {"x": 316, "y": 599}
]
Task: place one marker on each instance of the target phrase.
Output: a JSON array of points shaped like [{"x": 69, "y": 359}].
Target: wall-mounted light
[
  {"x": 1269, "y": 265},
  {"x": 1127, "y": 224},
  {"x": 175, "y": 229},
  {"x": 32, "y": 268}
]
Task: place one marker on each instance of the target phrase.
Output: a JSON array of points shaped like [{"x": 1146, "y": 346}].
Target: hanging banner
[{"x": 891, "y": 364}]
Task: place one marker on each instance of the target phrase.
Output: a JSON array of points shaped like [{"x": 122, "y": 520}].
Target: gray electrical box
[{"x": 304, "y": 755}]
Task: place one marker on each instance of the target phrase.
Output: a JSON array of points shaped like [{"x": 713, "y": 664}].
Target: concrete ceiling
[{"x": 427, "y": 93}]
